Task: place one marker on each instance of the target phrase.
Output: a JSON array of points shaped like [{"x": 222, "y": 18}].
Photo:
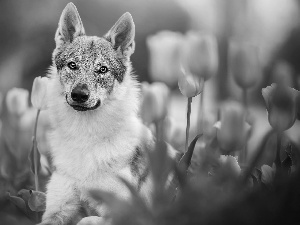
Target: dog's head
[{"x": 89, "y": 67}]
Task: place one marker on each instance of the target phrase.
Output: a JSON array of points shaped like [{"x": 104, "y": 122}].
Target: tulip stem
[
  {"x": 200, "y": 116},
  {"x": 243, "y": 154},
  {"x": 188, "y": 120},
  {"x": 277, "y": 158},
  {"x": 245, "y": 99},
  {"x": 35, "y": 149}
]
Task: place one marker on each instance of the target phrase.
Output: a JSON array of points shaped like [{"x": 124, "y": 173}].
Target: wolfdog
[{"x": 96, "y": 135}]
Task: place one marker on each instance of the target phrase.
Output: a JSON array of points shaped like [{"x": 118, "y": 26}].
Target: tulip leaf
[
  {"x": 21, "y": 202},
  {"x": 185, "y": 160},
  {"x": 286, "y": 164},
  {"x": 256, "y": 176},
  {"x": 31, "y": 158},
  {"x": 18, "y": 202}
]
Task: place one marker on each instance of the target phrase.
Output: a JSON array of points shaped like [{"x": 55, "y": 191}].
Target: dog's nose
[{"x": 80, "y": 93}]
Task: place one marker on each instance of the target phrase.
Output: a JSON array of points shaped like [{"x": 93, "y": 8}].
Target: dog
[{"x": 97, "y": 135}]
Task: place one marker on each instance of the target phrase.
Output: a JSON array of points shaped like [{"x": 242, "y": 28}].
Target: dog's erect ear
[
  {"x": 121, "y": 35},
  {"x": 69, "y": 26}
]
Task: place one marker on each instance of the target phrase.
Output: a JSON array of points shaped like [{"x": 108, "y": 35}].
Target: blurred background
[
  {"x": 27, "y": 41},
  {"x": 28, "y": 28}
]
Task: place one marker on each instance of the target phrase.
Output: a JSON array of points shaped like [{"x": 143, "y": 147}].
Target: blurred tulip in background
[
  {"x": 244, "y": 63},
  {"x": 200, "y": 54},
  {"x": 232, "y": 130},
  {"x": 39, "y": 93},
  {"x": 164, "y": 49},
  {"x": 281, "y": 103},
  {"x": 154, "y": 102},
  {"x": 17, "y": 101}
]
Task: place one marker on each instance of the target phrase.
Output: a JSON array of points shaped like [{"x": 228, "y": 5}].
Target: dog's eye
[
  {"x": 103, "y": 69},
  {"x": 72, "y": 66}
]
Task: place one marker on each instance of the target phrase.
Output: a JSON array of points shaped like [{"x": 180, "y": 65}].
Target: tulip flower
[
  {"x": 39, "y": 92},
  {"x": 17, "y": 101},
  {"x": 200, "y": 58},
  {"x": 229, "y": 165},
  {"x": 281, "y": 103},
  {"x": 282, "y": 106},
  {"x": 200, "y": 54},
  {"x": 164, "y": 48},
  {"x": 189, "y": 85},
  {"x": 244, "y": 64},
  {"x": 155, "y": 102},
  {"x": 232, "y": 130}
]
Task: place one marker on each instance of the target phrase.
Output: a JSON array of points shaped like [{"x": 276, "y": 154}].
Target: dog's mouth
[{"x": 84, "y": 108}]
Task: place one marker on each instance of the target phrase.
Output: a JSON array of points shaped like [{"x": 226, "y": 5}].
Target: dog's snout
[{"x": 80, "y": 93}]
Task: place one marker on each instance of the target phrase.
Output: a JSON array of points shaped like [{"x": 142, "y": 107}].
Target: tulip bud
[
  {"x": 283, "y": 73},
  {"x": 39, "y": 92},
  {"x": 164, "y": 49},
  {"x": 155, "y": 102},
  {"x": 232, "y": 130},
  {"x": 281, "y": 103},
  {"x": 244, "y": 64},
  {"x": 189, "y": 85},
  {"x": 229, "y": 165},
  {"x": 200, "y": 54},
  {"x": 17, "y": 101}
]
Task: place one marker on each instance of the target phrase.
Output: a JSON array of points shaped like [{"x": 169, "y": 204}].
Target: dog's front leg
[{"x": 62, "y": 201}]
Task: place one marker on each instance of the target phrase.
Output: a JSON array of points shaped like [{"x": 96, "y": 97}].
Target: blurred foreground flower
[
  {"x": 164, "y": 48},
  {"x": 244, "y": 63},
  {"x": 229, "y": 165},
  {"x": 189, "y": 85},
  {"x": 155, "y": 102},
  {"x": 281, "y": 103},
  {"x": 232, "y": 130},
  {"x": 268, "y": 173},
  {"x": 200, "y": 54},
  {"x": 39, "y": 92},
  {"x": 17, "y": 101}
]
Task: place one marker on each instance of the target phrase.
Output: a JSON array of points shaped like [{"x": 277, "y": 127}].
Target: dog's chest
[{"x": 90, "y": 158}]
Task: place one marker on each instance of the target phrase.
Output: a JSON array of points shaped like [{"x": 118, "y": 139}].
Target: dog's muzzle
[{"x": 80, "y": 107}]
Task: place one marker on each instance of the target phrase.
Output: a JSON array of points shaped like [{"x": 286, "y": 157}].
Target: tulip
[
  {"x": 244, "y": 64},
  {"x": 17, "y": 101},
  {"x": 229, "y": 165},
  {"x": 39, "y": 92},
  {"x": 282, "y": 106},
  {"x": 232, "y": 130},
  {"x": 164, "y": 49},
  {"x": 268, "y": 173},
  {"x": 200, "y": 54},
  {"x": 189, "y": 85},
  {"x": 154, "y": 102},
  {"x": 281, "y": 103}
]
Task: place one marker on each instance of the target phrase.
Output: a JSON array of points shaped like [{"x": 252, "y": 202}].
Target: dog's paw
[{"x": 93, "y": 220}]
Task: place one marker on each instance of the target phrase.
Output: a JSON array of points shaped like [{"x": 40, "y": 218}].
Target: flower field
[{"x": 216, "y": 97}]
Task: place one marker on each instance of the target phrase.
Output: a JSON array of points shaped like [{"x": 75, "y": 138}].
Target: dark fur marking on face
[
  {"x": 88, "y": 53},
  {"x": 138, "y": 167}
]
